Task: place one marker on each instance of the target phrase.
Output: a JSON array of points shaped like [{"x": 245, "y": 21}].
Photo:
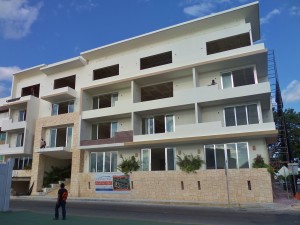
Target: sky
[{"x": 34, "y": 32}]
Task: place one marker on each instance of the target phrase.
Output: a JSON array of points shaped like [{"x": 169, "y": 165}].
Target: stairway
[{"x": 52, "y": 192}]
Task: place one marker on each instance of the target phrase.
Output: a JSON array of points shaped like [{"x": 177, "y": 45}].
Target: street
[{"x": 163, "y": 213}]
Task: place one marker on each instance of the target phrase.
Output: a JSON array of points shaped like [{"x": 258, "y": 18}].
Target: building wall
[
  {"x": 180, "y": 186},
  {"x": 41, "y": 162}
]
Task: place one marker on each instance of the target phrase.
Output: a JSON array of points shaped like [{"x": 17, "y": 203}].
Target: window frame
[
  {"x": 253, "y": 66},
  {"x": 226, "y": 155},
  {"x": 104, "y": 154},
  {"x": 247, "y": 115}
]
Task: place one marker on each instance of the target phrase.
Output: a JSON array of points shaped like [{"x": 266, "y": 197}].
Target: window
[
  {"x": 156, "y": 60},
  {"x": 22, "y": 163},
  {"x": 235, "y": 154},
  {"x": 2, "y": 137},
  {"x": 103, "y": 162},
  {"x": 158, "y": 159},
  {"x": 158, "y": 124},
  {"x": 105, "y": 101},
  {"x": 104, "y": 130},
  {"x": 238, "y": 78},
  {"x": 241, "y": 115},
  {"x": 228, "y": 43},
  {"x": 22, "y": 115},
  {"x": 105, "y": 72},
  {"x": 62, "y": 108},
  {"x": 65, "y": 82}
]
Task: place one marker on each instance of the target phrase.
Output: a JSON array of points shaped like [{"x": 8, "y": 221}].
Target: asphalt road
[{"x": 174, "y": 214}]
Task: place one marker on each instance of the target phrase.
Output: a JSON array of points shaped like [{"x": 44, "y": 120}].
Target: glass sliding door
[
  {"x": 71, "y": 107},
  {"x": 22, "y": 115},
  {"x": 114, "y": 129},
  {"x": 169, "y": 123},
  {"x": 19, "y": 141},
  {"x": 100, "y": 156},
  {"x": 148, "y": 125},
  {"x": 210, "y": 156},
  {"x": 114, "y": 99},
  {"x": 69, "y": 137},
  {"x": 220, "y": 156},
  {"x": 93, "y": 161},
  {"x": 242, "y": 151},
  {"x": 55, "y": 108},
  {"x": 146, "y": 159},
  {"x": 53, "y": 133},
  {"x": 113, "y": 161},
  {"x": 231, "y": 156},
  {"x": 170, "y": 159}
]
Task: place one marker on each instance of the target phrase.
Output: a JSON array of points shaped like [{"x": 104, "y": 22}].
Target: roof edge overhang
[
  {"x": 64, "y": 65},
  {"x": 250, "y": 11}
]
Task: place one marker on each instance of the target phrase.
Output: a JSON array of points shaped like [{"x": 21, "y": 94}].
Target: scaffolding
[{"x": 280, "y": 153}]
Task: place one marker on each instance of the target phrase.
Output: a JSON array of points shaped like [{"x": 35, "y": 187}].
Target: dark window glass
[
  {"x": 156, "y": 60},
  {"x": 229, "y": 117},
  {"x": 105, "y": 72},
  {"x": 228, "y": 43}
]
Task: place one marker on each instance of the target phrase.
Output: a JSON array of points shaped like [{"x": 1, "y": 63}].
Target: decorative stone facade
[
  {"x": 207, "y": 186},
  {"x": 39, "y": 159}
]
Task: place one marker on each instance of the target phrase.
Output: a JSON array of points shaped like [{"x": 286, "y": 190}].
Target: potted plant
[{"x": 189, "y": 163}]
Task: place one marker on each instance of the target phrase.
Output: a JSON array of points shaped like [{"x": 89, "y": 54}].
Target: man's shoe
[{"x": 63, "y": 218}]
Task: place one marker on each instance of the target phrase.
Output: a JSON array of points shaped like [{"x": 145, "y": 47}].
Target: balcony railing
[{"x": 10, "y": 125}]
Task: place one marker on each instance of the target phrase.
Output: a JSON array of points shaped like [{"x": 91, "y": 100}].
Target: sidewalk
[{"x": 280, "y": 203}]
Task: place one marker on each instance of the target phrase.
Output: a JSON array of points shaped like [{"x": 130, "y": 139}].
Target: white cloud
[
  {"x": 7, "y": 72},
  {"x": 269, "y": 16},
  {"x": 295, "y": 11},
  {"x": 292, "y": 92},
  {"x": 17, "y": 17},
  {"x": 86, "y": 5},
  {"x": 200, "y": 9}
]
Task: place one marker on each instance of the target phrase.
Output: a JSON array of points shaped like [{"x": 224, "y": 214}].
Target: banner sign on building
[{"x": 112, "y": 183}]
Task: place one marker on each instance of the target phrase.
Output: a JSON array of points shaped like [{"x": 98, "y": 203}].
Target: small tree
[
  {"x": 129, "y": 165},
  {"x": 189, "y": 163}
]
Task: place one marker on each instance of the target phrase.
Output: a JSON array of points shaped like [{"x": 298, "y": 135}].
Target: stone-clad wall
[
  {"x": 207, "y": 186},
  {"x": 39, "y": 159}
]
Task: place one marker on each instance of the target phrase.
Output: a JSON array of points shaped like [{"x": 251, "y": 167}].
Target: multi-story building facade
[{"x": 199, "y": 88}]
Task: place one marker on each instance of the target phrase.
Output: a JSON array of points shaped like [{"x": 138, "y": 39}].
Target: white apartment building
[{"x": 200, "y": 88}]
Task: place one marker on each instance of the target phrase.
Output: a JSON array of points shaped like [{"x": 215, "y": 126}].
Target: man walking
[{"x": 62, "y": 196}]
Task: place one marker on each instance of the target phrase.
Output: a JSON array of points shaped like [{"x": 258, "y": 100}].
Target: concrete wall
[{"x": 180, "y": 186}]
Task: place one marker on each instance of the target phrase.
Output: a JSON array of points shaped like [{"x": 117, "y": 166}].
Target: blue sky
[{"x": 34, "y": 32}]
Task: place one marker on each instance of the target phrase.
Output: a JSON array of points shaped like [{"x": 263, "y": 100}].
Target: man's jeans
[{"x": 61, "y": 204}]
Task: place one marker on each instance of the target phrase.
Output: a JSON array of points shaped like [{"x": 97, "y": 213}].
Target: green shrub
[
  {"x": 56, "y": 174},
  {"x": 129, "y": 165},
  {"x": 189, "y": 163},
  {"x": 259, "y": 162}
]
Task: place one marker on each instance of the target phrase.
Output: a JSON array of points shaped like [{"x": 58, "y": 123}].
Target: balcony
[
  {"x": 60, "y": 94},
  {"x": 7, "y": 150},
  {"x": 208, "y": 95},
  {"x": 208, "y": 131},
  {"x": 119, "y": 138},
  {"x": 1, "y": 121},
  {"x": 10, "y": 126},
  {"x": 56, "y": 152},
  {"x": 18, "y": 103}
]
